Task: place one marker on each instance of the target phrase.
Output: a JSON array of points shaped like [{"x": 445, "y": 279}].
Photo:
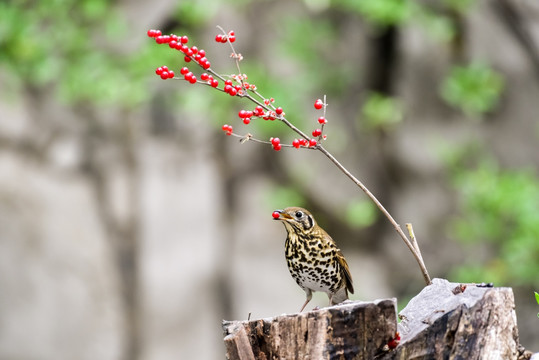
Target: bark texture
[
  {"x": 353, "y": 330},
  {"x": 444, "y": 321}
]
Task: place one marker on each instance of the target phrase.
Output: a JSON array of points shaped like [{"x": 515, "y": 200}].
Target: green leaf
[
  {"x": 537, "y": 297},
  {"x": 475, "y": 88}
]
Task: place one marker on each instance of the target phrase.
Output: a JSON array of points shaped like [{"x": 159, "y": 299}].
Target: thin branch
[{"x": 415, "y": 252}]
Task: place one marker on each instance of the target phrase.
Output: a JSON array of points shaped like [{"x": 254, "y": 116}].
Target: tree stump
[
  {"x": 352, "y": 330},
  {"x": 444, "y": 321}
]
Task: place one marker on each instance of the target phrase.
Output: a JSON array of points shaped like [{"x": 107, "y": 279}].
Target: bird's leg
[{"x": 309, "y": 297}]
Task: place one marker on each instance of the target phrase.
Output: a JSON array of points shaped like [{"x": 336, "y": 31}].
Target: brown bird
[{"x": 313, "y": 258}]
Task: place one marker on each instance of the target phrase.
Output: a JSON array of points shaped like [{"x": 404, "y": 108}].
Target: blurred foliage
[
  {"x": 77, "y": 49},
  {"x": 460, "y": 6},
  {"x": 383, "y": 13},
  {"x": 499, "y": 214},
  {"x": 280, "y": 197},
  {"x": 475, "y": 89},
  {"x": 80, "y": 50},
  {"x": 381, "y": 112},
  {"x": 537, "y": 300},
  {"x": 360, "y": 214}
]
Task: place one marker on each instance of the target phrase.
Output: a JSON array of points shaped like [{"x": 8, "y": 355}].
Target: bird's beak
[{"x": 282, "y": 215}]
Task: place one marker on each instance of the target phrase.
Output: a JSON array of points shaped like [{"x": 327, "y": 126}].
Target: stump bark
[
  {"x": 444, "y": 321},
  {"x": 352, "y": 330}
]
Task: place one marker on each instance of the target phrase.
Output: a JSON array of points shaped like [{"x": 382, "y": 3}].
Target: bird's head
[{"x": 295, "y": 219}]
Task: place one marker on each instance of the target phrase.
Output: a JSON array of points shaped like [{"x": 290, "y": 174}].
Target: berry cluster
[
  {"x": 191, "y": 54},
  {"x": 164, "y": 72},
  {"x": 235, "y": 85},
  {"x": 276, "y": 143},
  {"x": 220, "y": 38},
  {"x": 227, "y": 129}
]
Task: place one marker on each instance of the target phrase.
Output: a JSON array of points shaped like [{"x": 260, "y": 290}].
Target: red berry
[
  {"x": 227, "y": 88},
  {"x": 154, "y": 33},
  {"x": 303, "y": 142},
  {"x": 172, "y": 44},
  {"x": 259, "y": 111},
  {"x": 318, "y": 104},
  {"x": 202, "y": 52},
  {"x": 159, "y": 70},
  {"x": 204, "y": 77},
  {"x": 275, "y": 141},
  {"x": 295, "y": 143},
  {"x": 184, "y": 39},
  {"x": 170, "y": 74},
  {"x": 174, "y": 37},
  {"x": 164, "y": 75},
  {"x": 277, "y": 147},
  {"x": 312, "y": 142},
  {"x": 276, "y": 215},
  {"x": 232, "y": 39},
  {"x": 219, "y": 38},
  {"x": 317, "y": 132},
  {"x": 227, "y": 128},
  {"x": 279, "y": 110},
  {"x": 214, "y": 83},
  {"x": 206, "y": 65},
  {"x": 187, "y": 59},
  {"x": 247, "y": 120},
  {"x": 322, "y": 120},
  {"x": 242, "y": 114},
  {"x": 194, "y": 49},
  {"x": 184, "y": 70},
  {"x": 228, "y": 82},
  {"x": 193, "y": 79},
  {"x": 231, "y": 33},
  {"x": 233, "y": 92}
]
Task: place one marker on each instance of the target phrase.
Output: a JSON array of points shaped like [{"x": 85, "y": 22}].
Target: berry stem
[{"x": 414, "y": 249}]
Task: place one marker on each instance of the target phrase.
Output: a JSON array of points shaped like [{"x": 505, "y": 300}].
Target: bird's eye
[{"x": 299, "y": 214}]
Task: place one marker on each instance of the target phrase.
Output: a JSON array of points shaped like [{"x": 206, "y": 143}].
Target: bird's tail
[{"x": 340, "y": 296}]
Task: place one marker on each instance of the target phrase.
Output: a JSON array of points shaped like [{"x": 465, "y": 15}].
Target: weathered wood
[
  {"x": 352, "y": 330},
  {"x": 444, "y": 321}
]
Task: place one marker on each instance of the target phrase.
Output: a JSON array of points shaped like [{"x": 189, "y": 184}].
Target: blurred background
[{"x": 130, "y": 226}]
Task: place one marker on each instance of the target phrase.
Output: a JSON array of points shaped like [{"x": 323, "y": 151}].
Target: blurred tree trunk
[{"x": 122, "y": 229}]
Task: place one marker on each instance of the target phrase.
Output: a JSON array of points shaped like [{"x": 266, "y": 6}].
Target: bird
[{"x": 313, "y": 258}]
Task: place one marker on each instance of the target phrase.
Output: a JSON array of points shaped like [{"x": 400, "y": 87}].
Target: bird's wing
[{"x": 347, "y": 275}]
